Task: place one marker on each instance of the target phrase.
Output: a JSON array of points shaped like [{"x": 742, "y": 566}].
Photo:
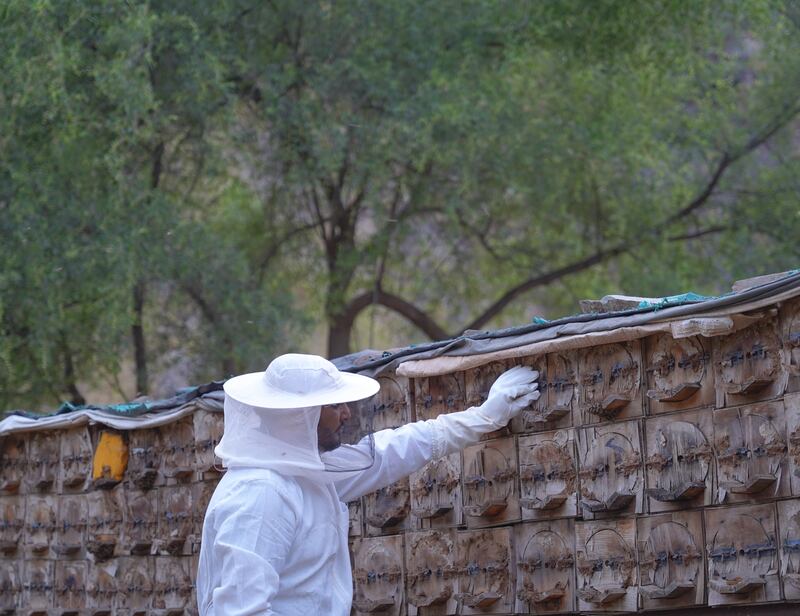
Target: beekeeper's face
[{"x": 331, "y": 419}]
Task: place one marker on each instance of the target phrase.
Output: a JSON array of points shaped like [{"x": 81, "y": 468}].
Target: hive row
[
  {"x": 129, "y": 585},
  {"x": 105, "y": 523},
  {"x": 72, "y": 461},
  {"x": 99, "y": 521},
  {"x": 729, "y": 555},
  {"x": 663, "y": 463},
  {"x": 651, "y": 474},
  {"x": 613, "y": 382}
]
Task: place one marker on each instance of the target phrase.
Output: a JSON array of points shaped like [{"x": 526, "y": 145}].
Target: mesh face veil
[
  {"x": 356, "y": 450},
  {"x": 272, "y": 419},
  {"x": 285, "y": 440}
]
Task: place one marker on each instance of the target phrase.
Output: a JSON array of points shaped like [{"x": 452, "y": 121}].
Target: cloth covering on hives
[
  {"x": 682, "y": 315},
  {"x": 156, "y": 413}
]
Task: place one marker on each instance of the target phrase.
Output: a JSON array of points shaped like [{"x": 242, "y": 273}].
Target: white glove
[{"x": 513, "y": 391}]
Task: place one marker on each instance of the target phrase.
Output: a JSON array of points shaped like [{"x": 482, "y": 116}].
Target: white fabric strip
[{"x": 17, "y": 423}]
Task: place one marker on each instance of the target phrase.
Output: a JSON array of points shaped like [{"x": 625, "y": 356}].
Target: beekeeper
[{"x": 275, "y": 532}]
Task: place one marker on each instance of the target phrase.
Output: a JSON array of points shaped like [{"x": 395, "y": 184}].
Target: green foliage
[
  {"x": 460, "y": 163},
  {"x": 104, "y": 116},
  {"x": 556, "y": 131}
]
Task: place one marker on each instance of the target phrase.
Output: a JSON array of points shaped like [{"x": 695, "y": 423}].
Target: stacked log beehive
[
  {"x": 657, "y": 473},
  {"x": 653, "y": 474},
  {"x": 94, "y": 521}
]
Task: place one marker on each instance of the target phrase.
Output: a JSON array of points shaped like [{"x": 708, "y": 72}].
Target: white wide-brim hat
[{"x": 296, "y": 381}]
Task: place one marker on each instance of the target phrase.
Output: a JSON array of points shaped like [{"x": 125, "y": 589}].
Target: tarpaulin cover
[
  {"x": 131, "y": 409},
  {"x": 160, "y": 412},
  {"x": 683, "y": 315},
  {"x": 484, "y": 346}
]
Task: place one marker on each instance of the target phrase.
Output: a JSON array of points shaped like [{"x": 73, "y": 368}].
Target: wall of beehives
[
  {"x": 96, "y": 521},
  {"x": 654, "y": 474}
]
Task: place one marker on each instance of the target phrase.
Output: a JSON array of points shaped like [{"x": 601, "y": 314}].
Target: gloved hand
[{"x": 513, "y": 390}]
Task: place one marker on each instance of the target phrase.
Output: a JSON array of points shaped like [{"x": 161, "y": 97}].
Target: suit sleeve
[
  {"x": 398, "y": 453},
  {"x": 255, "y": 531},
  {"x": 402, "y": 451}
]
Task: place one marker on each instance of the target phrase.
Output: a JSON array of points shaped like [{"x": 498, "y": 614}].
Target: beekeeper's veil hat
[{"x": 271, "y": 418}]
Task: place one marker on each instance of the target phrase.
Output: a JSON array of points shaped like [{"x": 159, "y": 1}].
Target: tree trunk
[
  {"x": 228, "y": 366},
  {"x": 75, "y": 396},
  {"x": 339, "y": 327},
  {"x": 228, "y": 363},
  {"x": 137, "y": 330}
]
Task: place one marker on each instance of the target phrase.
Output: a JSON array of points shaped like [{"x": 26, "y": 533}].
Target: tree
[
  {"x": 106, "y": 115},
  {"x": 192, "y": 181},
  {"x": 484, "y": 150}
]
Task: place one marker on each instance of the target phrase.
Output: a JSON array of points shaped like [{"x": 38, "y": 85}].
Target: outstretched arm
[{"x": 401, "y": 451}]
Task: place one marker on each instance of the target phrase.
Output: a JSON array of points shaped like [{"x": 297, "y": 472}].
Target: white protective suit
[{"x": 275, "y": 533}]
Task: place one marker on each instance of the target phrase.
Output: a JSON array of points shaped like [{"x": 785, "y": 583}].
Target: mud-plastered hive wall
[
  {"x": 660, "y": 473},
  {"x": 98, "y": 521}
]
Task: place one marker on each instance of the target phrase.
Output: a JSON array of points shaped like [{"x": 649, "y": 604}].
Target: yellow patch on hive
[{"x": 110, "y": 457}]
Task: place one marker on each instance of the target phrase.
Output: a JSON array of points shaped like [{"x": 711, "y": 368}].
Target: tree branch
[
  {"x": 70, "y": 386},
  {"x": 478, "y": 235},
  {"x": 396, "y": 303},
  {"x": 381, "y": 267},
  {"x": 157, "y": 164},
  {"x": 432, "y": 329},
  {"x": 137, "y": 333},
  {"x": 213, "y": 317},
  {"x": 789, "y": 113},
  {"x": 703, "y": 196},
  {"x": 205, "y": 308},
  {"x": 656, "y": 231},
  {"x": 693, "y": 235},
  {"x": 727, "y": 160},
  {"x": 543, "y": 279},
  {"x": 274, "y": 248},
  {"x": 321, "y": 218}
]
